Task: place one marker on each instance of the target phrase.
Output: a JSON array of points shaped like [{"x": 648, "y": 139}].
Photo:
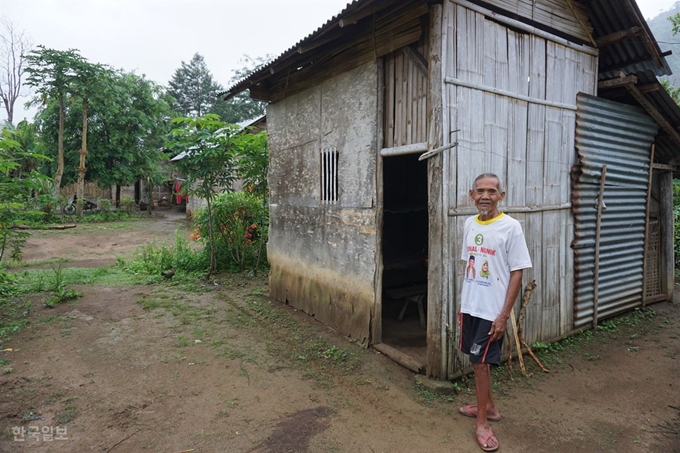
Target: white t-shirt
[{"x": 491, "y": 250}]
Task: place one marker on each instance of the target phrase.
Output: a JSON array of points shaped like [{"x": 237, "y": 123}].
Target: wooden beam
[
  {"x": 648, "y": 40},
  {"x": 416, "y": 58},
  {"x": 618, "y": 36},
  {"x": 657, "y": 166},
  {"x": 618, "y": 82},
  {"x": 259, "y": 93},
  {"x": 413, "y": 148},
  {"x": 624, "y": 65},
  {"x": 402, "y": 359},
  {"x": 649, "y": 87},
  {"x": 654, "y": 113}
]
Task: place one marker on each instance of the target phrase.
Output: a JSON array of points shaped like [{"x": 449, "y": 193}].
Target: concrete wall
[{"x": 322, "y": 256}]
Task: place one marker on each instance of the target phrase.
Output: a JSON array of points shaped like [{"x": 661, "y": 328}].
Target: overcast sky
[{"x": 153, "y": 37}]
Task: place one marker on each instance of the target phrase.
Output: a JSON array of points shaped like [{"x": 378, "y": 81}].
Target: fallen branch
[
  {"x": 533, "y": 356},
  {"x": 110, "y": 449},
  {"x": 49, "y": 227}
]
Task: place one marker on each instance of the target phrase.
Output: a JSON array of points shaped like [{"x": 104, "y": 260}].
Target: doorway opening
[{"x": 404, "y": 247}]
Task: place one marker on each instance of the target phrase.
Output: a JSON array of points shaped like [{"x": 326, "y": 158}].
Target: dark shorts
[{"x": 474, "y": 340}]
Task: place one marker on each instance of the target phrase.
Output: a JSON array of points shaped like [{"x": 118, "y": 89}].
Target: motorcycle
[{"x": 70, "y": 208}]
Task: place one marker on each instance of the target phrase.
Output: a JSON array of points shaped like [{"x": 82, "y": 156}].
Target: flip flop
[
  {"x": 484, "y": 442},
  {"x": 471, "y": 411}
]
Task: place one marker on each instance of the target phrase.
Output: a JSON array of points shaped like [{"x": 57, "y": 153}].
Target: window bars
[{"x": 329, "y": 176}]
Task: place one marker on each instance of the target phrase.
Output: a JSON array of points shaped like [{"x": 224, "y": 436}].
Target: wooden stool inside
[{"x": 415, "y": 294}]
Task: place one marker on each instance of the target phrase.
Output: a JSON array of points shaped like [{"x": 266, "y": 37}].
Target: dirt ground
[{"x": 218, "y": 367}]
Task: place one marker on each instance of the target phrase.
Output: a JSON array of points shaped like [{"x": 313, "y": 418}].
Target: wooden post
[
  {"x": 437, "y": 315},
  {"x": 645, "y": 261},
  {"x": 596, "y": 270}
]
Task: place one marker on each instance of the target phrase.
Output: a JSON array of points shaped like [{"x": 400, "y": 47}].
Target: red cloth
[{"x": 178, "y": 192}]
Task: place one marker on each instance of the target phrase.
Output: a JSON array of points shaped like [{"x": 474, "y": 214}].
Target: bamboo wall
[
  {"x": 405, "y": 99},
  {"x": 512, "y": 96},
  {"x": 565, "y": 16},
  {"x": 92, "y": 189}
]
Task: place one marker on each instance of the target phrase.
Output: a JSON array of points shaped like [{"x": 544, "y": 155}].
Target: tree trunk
[
  {"x": 60, "y": 148},
  {"x": 149, "y": 194},
  {"x": 117, "y": 196},
  {"x": 80, "y": 191}
]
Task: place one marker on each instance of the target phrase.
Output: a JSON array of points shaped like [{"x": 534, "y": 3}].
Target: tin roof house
[{"x": 380, "y": 120}]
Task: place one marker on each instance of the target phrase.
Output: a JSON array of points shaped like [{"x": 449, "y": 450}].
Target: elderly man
[{"x": 496, "y": 240}]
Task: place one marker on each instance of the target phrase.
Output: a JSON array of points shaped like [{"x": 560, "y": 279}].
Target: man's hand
[{"x": 498, "y": 328}]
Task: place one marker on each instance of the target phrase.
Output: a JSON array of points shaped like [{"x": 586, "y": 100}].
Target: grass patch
[{"x": 69, "y": 413}]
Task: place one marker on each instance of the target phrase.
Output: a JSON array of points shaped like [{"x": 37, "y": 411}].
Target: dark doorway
[{"x": 405, "y": 241}]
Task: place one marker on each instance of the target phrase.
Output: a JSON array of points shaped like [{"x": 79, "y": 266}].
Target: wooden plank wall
[
  {"x": 525, "y": 137},
  {"x": 405, "y": 100}
]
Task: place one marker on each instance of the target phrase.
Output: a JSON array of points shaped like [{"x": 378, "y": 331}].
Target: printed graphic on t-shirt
[{"x": 478, "y": 258}]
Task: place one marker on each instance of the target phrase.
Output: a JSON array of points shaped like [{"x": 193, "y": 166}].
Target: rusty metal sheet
[{"x": 619, "y": 136}]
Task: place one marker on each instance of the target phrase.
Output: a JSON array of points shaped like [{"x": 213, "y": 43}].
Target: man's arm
[{"x": 500, "y": 325}]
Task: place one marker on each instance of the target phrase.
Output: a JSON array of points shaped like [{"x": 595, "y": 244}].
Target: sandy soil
[{"x": 218, "y": 367}]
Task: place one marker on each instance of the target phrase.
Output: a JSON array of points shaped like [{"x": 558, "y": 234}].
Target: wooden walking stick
[
  {"x": 507, "y": 339},
  {"x": 528, "y": 291},
  {"x": 517, "y": 343}
]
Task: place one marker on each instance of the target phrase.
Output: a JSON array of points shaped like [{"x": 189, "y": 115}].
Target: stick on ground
[{"x": 517, "y": 343}]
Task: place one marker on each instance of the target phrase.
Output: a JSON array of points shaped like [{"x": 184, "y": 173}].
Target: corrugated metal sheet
[{"x": 619, "y": 136}]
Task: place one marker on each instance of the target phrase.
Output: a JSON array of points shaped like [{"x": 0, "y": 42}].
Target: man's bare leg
[
  {"x": 484, "y": 399},
  {"x": 491, "y": 411}
]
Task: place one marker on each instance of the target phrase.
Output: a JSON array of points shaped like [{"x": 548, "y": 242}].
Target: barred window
[{"x": 329, "y": 176}]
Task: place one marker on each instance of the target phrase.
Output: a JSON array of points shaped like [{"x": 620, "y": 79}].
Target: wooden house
[{"x": 560, "y": 98}]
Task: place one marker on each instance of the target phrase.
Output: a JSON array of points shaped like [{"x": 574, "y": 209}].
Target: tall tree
[
  {"x": 128, "y": 130},
  {"x": 50, "y": 71},
  {"x": 193, "y": 88},
  {"x": 14, "y": 46},
  {"x": 241, "y": 107},
  {"x": 88, "y": 78},
  {"x": 128, "y": 117}
]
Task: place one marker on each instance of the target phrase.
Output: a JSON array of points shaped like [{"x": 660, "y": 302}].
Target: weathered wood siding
[
  {"x": 323, "y": 256},
  {"x": 512, "y": 97},
  {"x": 566, "y": 16}
]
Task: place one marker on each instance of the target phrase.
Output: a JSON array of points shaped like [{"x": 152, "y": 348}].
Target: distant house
[
  {"x": 194, "y": 202},
  {"x": 545, "y": 93}
]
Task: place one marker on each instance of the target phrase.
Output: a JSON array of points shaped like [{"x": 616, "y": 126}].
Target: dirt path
[{"x": 220, "y": 368}]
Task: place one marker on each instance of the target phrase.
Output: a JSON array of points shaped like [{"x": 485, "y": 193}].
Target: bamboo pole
[{"x": 596, "y": 271}]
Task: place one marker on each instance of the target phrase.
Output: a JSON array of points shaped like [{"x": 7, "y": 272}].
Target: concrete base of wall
[{"x": 335, "y": 299}]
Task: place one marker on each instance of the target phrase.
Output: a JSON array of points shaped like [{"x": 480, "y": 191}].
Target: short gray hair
[{"x": 488, "y": 175}]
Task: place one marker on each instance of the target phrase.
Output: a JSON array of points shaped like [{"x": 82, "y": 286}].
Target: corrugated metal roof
[
  {"x": 633, "y": 54},
  {"x": 268, "y": 68}
]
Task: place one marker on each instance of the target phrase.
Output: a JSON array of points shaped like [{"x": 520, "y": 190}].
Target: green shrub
[
  {"x": 154, "y": 259},
  {"x": 240, "y": 230},
  {"x": 127, "y": 205}
]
